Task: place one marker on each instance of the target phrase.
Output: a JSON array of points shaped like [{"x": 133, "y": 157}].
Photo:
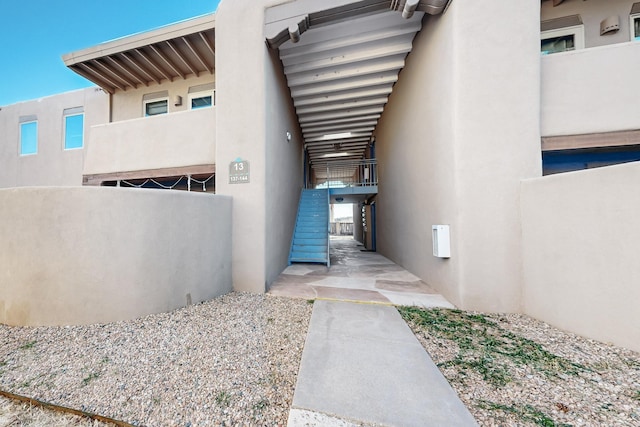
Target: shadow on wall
[{"x": 86, "y": 255}]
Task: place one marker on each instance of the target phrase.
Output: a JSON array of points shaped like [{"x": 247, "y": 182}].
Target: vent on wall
[{"x": 441, "y": 241}]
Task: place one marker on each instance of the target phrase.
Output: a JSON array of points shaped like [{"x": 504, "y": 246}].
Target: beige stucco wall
[
  {"x": 87, "y": 255},
  {"x": 185, "y": 138},
  {"x": 580, "y": 239},
  {"x": 129, "y": 105},
  {"x": 253, "y": 116},
  {"x": 459, "y": 132},
  {"x": 284, "y": 160},
  {"x": 416, "y": 170},
  {"x": 592, "y": 13},
  {"x": 590, "y": 90},
  {"x": 52, "y": 165}
]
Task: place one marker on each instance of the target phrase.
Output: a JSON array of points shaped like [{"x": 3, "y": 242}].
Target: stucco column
[
  {"x": 240, "y": 133},
  {"x": 496, "y": 143}
]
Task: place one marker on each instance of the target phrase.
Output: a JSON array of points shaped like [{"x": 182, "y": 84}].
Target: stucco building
[{"x": 491, "y": 117}]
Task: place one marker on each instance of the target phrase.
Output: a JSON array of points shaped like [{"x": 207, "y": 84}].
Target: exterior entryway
[{"x": 356, "y": 275}]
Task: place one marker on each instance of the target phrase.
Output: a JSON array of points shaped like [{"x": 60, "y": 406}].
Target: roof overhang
[
  {"x": 179, "y": 50},
  {"x": 341, "y": 64}
]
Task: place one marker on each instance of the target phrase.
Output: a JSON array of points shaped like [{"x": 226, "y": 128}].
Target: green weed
[
  {"x": 261, "y": 404},
  {"x": 28, "y": 346},
  {"x": 223, "y": 399},
  {"x": 526, "y": 413},
  {"x": 92, "y": 376},
  {"x": 485, "y": 347}
]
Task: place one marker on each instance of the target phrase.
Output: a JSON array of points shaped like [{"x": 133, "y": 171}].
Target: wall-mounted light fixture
[
  {"x": 409, "y": 7},
  {"x": 610, "y": 25},
  {"x": 288, "y": 136},
  {"x": 177, "y": 100}
]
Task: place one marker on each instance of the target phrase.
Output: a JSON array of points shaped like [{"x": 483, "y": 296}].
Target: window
[
  {"x": 562, "y": 40},
  {"x": 201, "y": 100},
  {"x": 29, "y": 137},
  {"x": 635, "y": 27},
  {"x": 155, "y": 107},
  {"x": 561, "y": 34},
  {"x": 202, "y": 96},
  {"x": 155, "y": 103},
  {"x": 73, "y": 131}
]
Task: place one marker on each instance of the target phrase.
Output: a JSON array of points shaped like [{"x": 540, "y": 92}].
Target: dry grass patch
[{"x": 514, "y": 370}]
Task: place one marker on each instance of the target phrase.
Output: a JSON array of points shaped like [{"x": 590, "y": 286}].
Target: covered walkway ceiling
[
  {"x": 177, "y": 51},
  {"x": 342, "y": 70}
]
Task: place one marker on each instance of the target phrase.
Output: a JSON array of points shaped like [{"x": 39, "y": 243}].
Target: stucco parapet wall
[
  {"x": 590, "y": 90},
  {"x": 580, "y": 243},
  {"x": 87, "y": 255},
  {"x": 185, "y": 138}
]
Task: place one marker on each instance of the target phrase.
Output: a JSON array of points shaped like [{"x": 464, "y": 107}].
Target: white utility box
[{"x": 441, "y": 241}]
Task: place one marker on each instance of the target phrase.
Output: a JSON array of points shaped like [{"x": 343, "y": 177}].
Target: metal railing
[{"x": 340, "y": 174}]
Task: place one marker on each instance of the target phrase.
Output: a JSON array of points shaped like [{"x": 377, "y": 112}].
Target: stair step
[
  {"x": 312, "y": 229},
  {"x": 312, "y": 223},
  {"x": 312, "y": 213},
  {"x": 310, "y": 241},
  {"x": 303, "y": 235},
  {"x": 318, "y": 242},
  {"x": 309, "y": 257},
  {"x": 309, "y": 248}
]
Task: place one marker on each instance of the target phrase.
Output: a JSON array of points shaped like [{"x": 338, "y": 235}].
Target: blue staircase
[{"x": 310, "y": 243}]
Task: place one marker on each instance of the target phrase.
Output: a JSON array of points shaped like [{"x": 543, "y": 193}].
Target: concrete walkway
[
  {"x": 356, "y": 275},
  {"x": 362, "y": 365}
]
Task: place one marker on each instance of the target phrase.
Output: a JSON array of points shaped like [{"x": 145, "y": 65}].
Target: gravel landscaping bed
[
  {"x": 229, "y": 361},
  {"x": 514, "y": 370}
]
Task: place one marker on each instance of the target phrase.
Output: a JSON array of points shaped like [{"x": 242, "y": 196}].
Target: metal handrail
[{"x": 340, "y": 174}]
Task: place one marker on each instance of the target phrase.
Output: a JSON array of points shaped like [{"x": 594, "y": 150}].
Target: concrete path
[{"x": 362, "y": 365}]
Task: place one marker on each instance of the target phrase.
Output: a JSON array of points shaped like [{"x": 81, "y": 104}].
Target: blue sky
[{"x": 35, "y": 34}]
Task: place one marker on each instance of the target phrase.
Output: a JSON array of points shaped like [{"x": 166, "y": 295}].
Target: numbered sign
[{"x": 239, "y": 172}]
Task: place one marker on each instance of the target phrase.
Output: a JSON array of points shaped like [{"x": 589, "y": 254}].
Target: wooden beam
[
  {"x": 591, "y": 140},
  {"x": 345, "y": 105},
  {"x": 183, "y": 59},
  {"x": 344, "y": 96},
  {"x": 100, "y": 75},
  {"x": 97, "y": 179},
  {"x": 312, "y": 118},
  {"x": 140, "y": 68},
  {"x": 170, "y": 63},
  {"x": 110, "y": 71},
  {"x": 126, "y": 70},
  {"x": 357, "y": 70},
  {"x": 208, "y": 43},
  {"x": 93, "y": 78},
  {"x": 197, "y": 54},
  {"x": 152, "y": 63}
]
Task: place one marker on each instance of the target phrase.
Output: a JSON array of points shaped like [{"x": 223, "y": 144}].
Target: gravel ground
[
  {"x": 229, "y": 361},
  {"x": 517, "y": 371}
]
